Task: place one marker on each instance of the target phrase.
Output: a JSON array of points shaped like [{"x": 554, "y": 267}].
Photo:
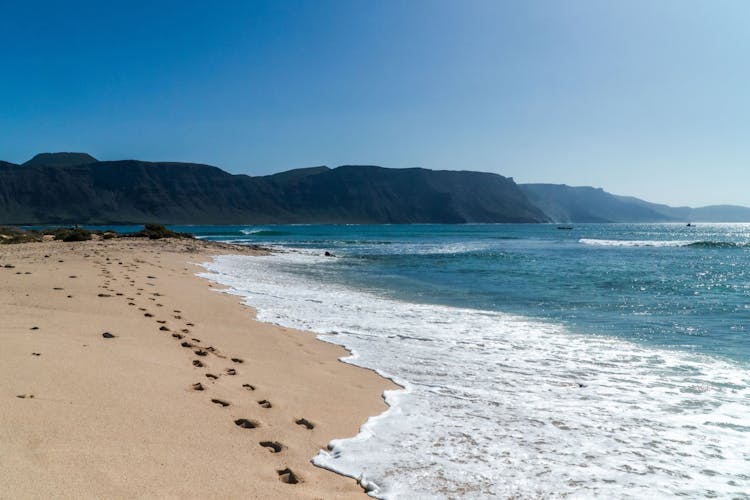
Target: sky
[{"x": 644, "y": 98}]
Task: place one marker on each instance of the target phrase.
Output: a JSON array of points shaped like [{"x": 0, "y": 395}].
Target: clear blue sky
[{"x": 649, "y": 98}]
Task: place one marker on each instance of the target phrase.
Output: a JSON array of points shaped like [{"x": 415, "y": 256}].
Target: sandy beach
[{"x": 126, "y": 376}]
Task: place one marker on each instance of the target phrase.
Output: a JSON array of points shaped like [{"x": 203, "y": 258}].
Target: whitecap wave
[{"x": 636, "y": 243}]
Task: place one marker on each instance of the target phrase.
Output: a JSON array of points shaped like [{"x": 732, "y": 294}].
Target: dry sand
[{"x": 84, "y": 416}]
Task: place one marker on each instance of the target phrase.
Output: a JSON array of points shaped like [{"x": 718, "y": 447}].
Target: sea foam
[
  {"x": 499, "y": 406},
  {"x": 636, "y": 243}
]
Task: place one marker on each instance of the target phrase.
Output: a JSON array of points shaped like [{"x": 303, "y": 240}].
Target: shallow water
[{"x": 610, "y": 360}]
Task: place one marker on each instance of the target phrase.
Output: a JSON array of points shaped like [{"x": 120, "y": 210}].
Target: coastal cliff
[
  {"x": 58, "y": 188},
  {"x": 76, "y": 188}
]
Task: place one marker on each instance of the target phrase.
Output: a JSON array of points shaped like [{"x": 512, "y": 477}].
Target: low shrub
[
  {"x": 158, "y": 231},
  {"x": 72, "y": 234},
  {"x": 10, "y": 235}
]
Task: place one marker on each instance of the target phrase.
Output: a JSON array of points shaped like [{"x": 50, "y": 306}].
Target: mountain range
[{"x": 69, "y": 188}]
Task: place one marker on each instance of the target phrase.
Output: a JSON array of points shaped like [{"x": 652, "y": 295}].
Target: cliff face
[
  {"x": 563, "y": 203},
  {"x": 363, "y": 194},
  {"x": 71, "y": 188}
]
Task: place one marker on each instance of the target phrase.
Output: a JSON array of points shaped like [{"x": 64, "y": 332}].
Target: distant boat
[
  {"x": 689, "y": 224},
  {"x": 565, "y": 227}
]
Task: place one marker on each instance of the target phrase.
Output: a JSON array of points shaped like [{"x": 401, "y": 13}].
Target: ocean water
[{"x": 604, "y": 361}]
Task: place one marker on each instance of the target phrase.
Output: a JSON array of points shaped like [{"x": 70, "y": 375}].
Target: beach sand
[{"x": 87, "y": 416}]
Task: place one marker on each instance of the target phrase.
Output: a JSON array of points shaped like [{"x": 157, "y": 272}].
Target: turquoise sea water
[
  {"x": 602, "y": 361},
  {"x": 664, "y": 284}
]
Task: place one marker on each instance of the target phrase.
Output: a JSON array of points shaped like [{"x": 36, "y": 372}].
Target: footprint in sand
[
  {"x": 231, "y": 371},
  {"x": 287, "y": 476},
  {"x": 273, "y": 446},
  {"x": 198, "y": 363},
  {"x": 305, "y": 423},
  {"x": 108, "y": 335},
  {"x": 249, "y": 387},
  {"x": 264, "y": 403},
  {"x": 220, "y": 402},
  {"x": 245, "y": 423},
  {"x": 211, "y": 375},
  {"x": 198, "y": 387},
  {"x": 238, "y": 360}
]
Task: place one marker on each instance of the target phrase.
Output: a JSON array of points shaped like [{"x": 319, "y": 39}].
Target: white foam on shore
[{"x": 500, "y": 406}]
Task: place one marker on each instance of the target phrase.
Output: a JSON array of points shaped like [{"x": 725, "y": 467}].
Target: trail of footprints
[{"x": 201, "y": 352}]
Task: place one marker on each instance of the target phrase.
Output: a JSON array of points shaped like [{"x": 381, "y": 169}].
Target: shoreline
[
  {"x": 368, "y": 486},
  {"x": 120, "y": 417}
]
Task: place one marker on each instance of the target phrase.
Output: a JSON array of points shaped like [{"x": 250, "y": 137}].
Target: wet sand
[{"x": 124, "y": 375}]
